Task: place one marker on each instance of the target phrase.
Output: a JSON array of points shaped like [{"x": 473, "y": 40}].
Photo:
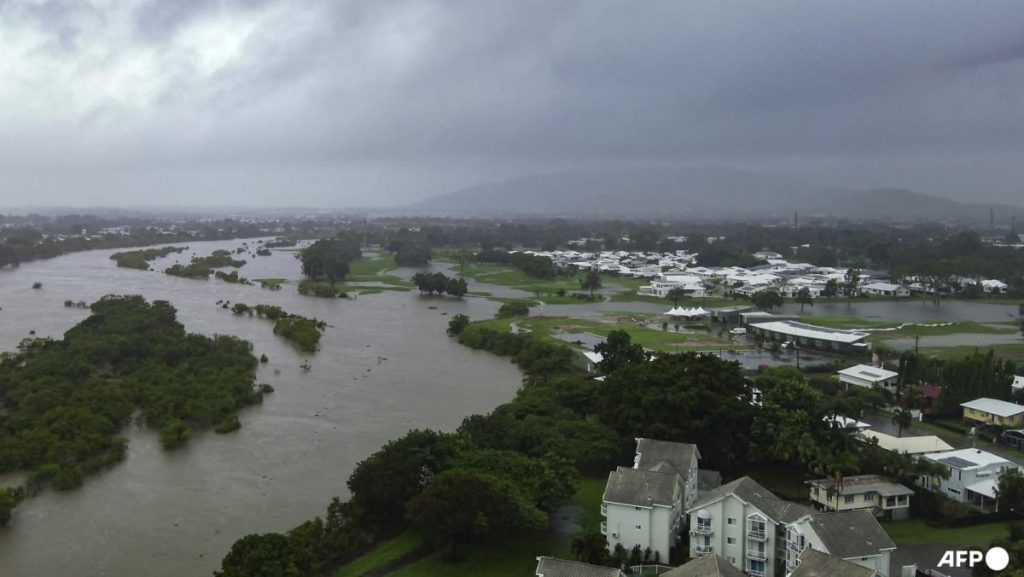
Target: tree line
[{"x": 439, "y": 283}]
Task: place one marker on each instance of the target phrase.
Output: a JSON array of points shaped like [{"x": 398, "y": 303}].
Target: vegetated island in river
[
  {"x": 202, "y": 267},
  {"x": 304, "y": 332},
  {"x": 139, "y": 259},
  {"x": 64, "y": 402}
]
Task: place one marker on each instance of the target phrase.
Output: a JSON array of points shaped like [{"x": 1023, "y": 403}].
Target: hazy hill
[{"x": 695, "y": 193}]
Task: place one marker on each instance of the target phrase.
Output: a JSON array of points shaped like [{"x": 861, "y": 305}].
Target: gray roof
[
  {"x": 850, "y": 534},
  {"x": 551, "y": 567},
  {"x": 651, "y": 453},
  {"x": 859, "y": 484},
  {"x": 641, "y": 488},
  {"x": 814, "y": 563},
  {"x": 750, "y": 491},
  {"x": 705, "y": 566}
]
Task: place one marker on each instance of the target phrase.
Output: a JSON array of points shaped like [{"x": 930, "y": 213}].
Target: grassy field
[
  {"x": 375, "y": 269},
  {"x": 384, "y": 553},
  {"x": 916, "y": 532},
  {"x": 651, "y": 338}
]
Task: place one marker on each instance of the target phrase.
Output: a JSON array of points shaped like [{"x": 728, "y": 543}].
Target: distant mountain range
[{"x": 698, "y": 194}]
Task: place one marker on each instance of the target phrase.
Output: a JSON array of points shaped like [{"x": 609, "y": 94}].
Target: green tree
[
  {"x": 457, "y": 324},
  {"x": 676, "y": 294},
  {"x": 618, "y": 350},
  {"x": 767, "y": 299},
  {"x": 803, "y": 296},
  {"x": 591, "y": 281},
  {"x": 850, "y": 287},
  {"x": 1010, "y": 490},
  {"x": 513, "y": 309},
  {"x": 591, "y": 547},
  {"x": 8, "y": 501},
  {"x": 462, "y": 507},
  {"x": 328, "y": 259},
  {"x": 790, "y": 421},
  {"x": 694, "y": 397},
  {"x": 268, "y": 555},
  {"x": 384, "y": 482}
]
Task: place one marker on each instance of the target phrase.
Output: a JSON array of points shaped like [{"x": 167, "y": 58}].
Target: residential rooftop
[
  {"x": 869, "y": 373},
  {"x": 910, "y": 445},
  {"x": 994, "y": 407},
  {"x": 751, "y": 492},
  {"x": 641, "y": 488},
  {"x": 858, "y": 484},
  {"x": 678, "y": 456},
  {"x": 814, "y": 563},
  {"x": 705, "y": 566},
  {"x": 966, "y": 459},
  {"x": 850, "y": 534},
  {"x": 552, "y": 567}
]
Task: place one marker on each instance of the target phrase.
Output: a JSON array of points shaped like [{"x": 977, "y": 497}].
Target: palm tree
[
  {"x": 803, "y": 296},
  {"x": 591, "y": 548},
  {"x": 675, "y": 294}
]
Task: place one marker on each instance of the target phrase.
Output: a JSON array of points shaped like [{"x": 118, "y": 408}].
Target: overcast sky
[{"x": 377, "y": 103}]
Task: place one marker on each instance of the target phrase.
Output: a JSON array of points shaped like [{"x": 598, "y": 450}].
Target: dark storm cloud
[{"x": 394, "y": 100}]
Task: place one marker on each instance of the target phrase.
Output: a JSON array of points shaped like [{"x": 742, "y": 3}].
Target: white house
[
  {"x": 994, "y": 286},
  {"x": 854, "y": 536},
  {"x": 973, "y": 475},
  {"x": 1018, "y": 383},
  {"x": 643, "y": 506},
  {"x": 745, "y": 524},
  {"x": 868, "y": 376},
  {"x": 886, "y": 289}
]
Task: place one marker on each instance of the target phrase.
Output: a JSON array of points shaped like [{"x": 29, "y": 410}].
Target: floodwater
[
  {"x": 385, "y": 366},
  {"x": 909, "y": 311}
]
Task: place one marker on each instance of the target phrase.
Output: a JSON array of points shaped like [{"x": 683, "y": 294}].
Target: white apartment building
[
  {"x": 643, "y": 505},
  {"x": 745, "y": 524}
]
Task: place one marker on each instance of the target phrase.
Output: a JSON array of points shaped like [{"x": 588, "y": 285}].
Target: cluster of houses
[
  {"x": 664, "y": 501},
  {"x": 677, "y": 270}
]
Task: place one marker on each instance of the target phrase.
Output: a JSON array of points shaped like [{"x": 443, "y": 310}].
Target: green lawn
[
  {"x": 651, "y": 338},
  {"x": 385, "y": 552},
  {"x": 916, "y": 532},
  {"x": 375, "y": 269}
]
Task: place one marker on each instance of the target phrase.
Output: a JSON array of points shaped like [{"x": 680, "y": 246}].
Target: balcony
[
  {"x": 604, "y": 527},
  {"x": 757, "y": 535},
  {"x": 757, "y": 554},
  {"x": 755, "y": 573},
  {"x": 703, "y": 530},
  {"x": 604, "y": 509},
  {"x": 702, "y": 549}
]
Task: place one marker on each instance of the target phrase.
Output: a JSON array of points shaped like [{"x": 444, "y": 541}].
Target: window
[
  {"x": 639, "y": 527},
  {"x": 731, "y": 560},
  {"x": 848, "y": 498},
  {"x": 730, "y": 540},
  {"x": 731, "y": 521},
  {"x": 868, "y": 497}
]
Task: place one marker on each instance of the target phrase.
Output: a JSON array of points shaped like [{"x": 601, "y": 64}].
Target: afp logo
[{"x": 996, "y": 558}]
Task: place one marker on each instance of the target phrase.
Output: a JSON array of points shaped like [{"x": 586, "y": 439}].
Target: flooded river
[{"x": 384, "y": 367}]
